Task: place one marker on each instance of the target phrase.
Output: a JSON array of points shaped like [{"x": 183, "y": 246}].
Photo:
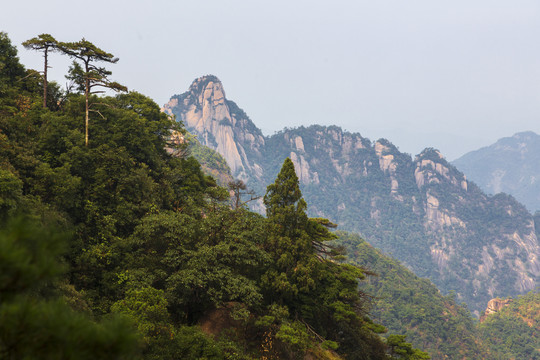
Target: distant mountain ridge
[
  {"x": 510, "y": 165},
  {"x": 423, "y": 211}
]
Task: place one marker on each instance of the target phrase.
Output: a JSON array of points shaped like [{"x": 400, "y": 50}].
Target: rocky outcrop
[
  {"x": 301, "y": 167},
  {"x": 494, "y": 306},
  {"x": 388, "y": 166}
]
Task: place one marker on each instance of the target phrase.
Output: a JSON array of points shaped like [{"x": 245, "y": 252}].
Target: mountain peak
[
  {"x": 218, "y": 123},
  {"x": 431, "y": 154},
  {"x": 526, "y": 135},
  {"x": 203, "y": 82},
  {"x": 509, "y": 165}
]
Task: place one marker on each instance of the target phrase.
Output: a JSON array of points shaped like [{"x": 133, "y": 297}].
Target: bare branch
[{"x": 97, "y": 111}]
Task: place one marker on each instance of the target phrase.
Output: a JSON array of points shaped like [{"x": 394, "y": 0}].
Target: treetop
[
  {"x": 86, "y": 51},
  {"x": 40, "y": 42}
]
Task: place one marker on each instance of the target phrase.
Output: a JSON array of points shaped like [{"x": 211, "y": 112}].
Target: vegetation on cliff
[{"x": 514, "y": 331}]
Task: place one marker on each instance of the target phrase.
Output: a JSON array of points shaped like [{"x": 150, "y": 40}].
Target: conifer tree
[
  {"x": 11, "y": 70},
  {"x": 288, "y": 242},
  {"x": 295, "y": 241},
  {"x": 45, "y": 43},
  {"x": 284, "y": 203},
  {"x": 90, "y": 75}
]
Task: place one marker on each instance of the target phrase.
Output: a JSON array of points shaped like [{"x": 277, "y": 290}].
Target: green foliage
[
  {"x": 45, "y": 43},
  {"x": 295, "y": 335},
  {"x": 33, "y": 326},
  {"x": 211, "y": 161},
  {"x": 403, "y": 350},
  {"x": 10, "y": 68},
  {"x": 513, "y": 333},
  {"x": 306, "y": 282},
  {"x": 407, "y": 304},
  {"x": 10, "y": 193},
  {"x": 193, "y": 344}
]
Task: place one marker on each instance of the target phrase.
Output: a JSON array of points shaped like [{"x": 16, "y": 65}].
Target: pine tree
[
  {"x": 90, "y": 75},
  {"x": 288, "y": 242},
  {"x": 45, "y": 43}
]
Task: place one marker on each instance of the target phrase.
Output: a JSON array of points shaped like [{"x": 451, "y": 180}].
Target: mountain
[
  {"x": 422, "y": 211},
  {"x": 220, "y": 124},
  {"x": 511, "y": 165}
]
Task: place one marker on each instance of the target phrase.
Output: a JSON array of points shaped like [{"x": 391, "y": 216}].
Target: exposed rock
[
  {"x": 437, "y": 218},
  {"x": 299, "y": 143},
  {"x": 494, "y": 306},
  {"x": 207, "y": 113},
  {"x": 388, "y": 165},
  {"x": 301, "y": 167}
]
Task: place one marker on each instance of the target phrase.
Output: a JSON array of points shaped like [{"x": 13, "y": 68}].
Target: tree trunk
[
  {"x": 86, "y": 93},
  {"x": 45, "y": 81}
]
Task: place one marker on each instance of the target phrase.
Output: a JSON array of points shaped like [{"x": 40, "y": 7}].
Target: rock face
[
  {"x": 219, "y": 124},
  {"x": 494, "y": 306},
  {"x": 511, "y": 165},
  {"x": 423, "y": 211}
]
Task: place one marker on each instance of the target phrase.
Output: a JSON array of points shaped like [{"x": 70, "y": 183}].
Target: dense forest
[{"x": 116, "y": 245}]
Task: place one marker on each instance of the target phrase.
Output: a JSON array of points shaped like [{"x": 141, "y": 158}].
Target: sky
[{"x": 453, "y": 75}]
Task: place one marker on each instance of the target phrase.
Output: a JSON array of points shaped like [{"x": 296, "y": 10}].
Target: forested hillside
[
  {"x": 115, "y": 245},
  {"x": 513, "y": 332},
  {"x": 405, "y": 303}
]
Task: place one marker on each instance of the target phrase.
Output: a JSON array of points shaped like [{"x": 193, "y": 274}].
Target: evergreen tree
[
  {"x": 90, "y": 75},
  {"x": 288, "y": 243},
  {"x": 45, "y": 43},
  {"x": 305, "y": 280}
]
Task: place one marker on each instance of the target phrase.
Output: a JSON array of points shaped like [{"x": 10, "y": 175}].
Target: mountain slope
[
  {"x": 422, "y": 211},
  {"x": 511, "y": 165},
  {"x": 513, "y": 332},
  {"x": 405, "y": 303}
]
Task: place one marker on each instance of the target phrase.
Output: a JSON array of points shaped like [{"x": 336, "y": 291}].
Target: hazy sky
[{"x": 454, "y": 75}]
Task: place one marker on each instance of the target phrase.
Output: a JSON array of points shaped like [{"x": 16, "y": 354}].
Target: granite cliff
[
  {"x": 422, "y": 211},
  {"x": 219, "y": 124}
]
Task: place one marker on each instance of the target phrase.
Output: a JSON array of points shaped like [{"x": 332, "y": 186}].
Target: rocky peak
[
  {"x": 432, "y": 168},
  {"x": 219, "y": 124}
]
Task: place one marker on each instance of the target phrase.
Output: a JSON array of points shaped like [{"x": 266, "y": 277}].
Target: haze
[{"x": 451, "y": 75}]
